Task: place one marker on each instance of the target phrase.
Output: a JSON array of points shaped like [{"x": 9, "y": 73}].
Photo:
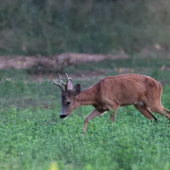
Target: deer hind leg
[
  {"x": 146, "y": 112},
  {"x": 161, "y": 110},
  {"x": 168, "y": 113},
  {"x": 92, "y": 115}
]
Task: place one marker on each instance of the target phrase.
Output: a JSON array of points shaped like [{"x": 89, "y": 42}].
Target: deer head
[{"x": 68, "y": 96}]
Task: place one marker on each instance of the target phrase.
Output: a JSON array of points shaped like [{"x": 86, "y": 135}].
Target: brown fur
[{"x": 115, "y": 91}]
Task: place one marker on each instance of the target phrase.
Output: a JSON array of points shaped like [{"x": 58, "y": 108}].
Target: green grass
[{"x": 34, "y": 137}]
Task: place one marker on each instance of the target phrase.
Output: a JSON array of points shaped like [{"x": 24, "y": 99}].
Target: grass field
[{"x": 33, "y": 137}]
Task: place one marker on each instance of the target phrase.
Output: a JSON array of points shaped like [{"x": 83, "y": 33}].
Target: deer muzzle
[{"x": 63, "y": 116}]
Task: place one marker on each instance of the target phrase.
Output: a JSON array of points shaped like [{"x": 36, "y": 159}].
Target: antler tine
[
  {"x": 66, "y": 84},
  {"x": 59, "y": 77},
  {"x": 63, "y": 83},
  {"x": 59, "y": 84},
  {"x": 69, "y": 84},
  {"x": 68, "y": 78}
]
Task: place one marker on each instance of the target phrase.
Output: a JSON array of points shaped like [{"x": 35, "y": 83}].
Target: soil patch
[{"x": 57, "y": 62}]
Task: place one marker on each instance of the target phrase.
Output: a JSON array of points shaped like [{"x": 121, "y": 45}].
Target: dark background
[{"x": 49, "y": 27}]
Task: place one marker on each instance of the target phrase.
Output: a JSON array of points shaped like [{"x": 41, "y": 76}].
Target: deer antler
[
  {"x": 69, "y": 84},
  {"x": 68, "y": 78},
  {"x": 65, "y": 84},
  {"x": 59, "y": 84}
]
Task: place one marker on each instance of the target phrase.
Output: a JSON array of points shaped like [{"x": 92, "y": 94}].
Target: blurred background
[
  {"x": 88, "y": 39},
  {"x": 50, "y": 27}
]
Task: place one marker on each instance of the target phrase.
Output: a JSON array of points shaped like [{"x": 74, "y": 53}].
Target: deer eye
[{"x": 68, "y": 103}]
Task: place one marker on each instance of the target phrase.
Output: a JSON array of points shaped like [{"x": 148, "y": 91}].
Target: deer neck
[{"x": 86, "y": 97}]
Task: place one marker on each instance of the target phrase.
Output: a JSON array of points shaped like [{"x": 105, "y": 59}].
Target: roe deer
[{"x": 113, "y": 92}]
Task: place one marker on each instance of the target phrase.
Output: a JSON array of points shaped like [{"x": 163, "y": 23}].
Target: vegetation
[
  {"x": 32, "y": 134},
  {"x": 34, "y": 137},
  {"x": 50, "y": 27}
]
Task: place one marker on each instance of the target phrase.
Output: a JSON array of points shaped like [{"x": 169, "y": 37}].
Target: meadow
[{"x": 34, "y": 137}]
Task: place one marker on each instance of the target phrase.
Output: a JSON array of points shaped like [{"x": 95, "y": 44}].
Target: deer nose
[{"x": 63, "y": 116}]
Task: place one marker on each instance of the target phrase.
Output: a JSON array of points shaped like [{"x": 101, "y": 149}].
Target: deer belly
[
  {"x": 125, "y": 104},
  {"x": 101, "y": 108},
  {"x": 135, "y": 103}
]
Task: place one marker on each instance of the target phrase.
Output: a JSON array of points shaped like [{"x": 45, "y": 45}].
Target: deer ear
[{"x": 77, "y": 89}]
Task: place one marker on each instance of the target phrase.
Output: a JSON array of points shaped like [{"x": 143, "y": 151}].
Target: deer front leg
[
  {"x": 92, "y": 115},
  {"x": 113, "y": 114}
]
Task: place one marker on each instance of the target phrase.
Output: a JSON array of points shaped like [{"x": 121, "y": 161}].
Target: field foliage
[
  {"x": 34, "y": 137},
  {"x": 50, "y": 27}
]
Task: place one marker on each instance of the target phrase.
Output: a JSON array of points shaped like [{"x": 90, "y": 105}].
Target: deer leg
[
  {"x": 161, "y": 110},
  {"x": 92, "y": 115},
  {"x": 149, "y": 111},
  {"x": 113, "y": 114},
  {"x": 168, "y": 113},
  {"x": 146, "y": 112}
]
